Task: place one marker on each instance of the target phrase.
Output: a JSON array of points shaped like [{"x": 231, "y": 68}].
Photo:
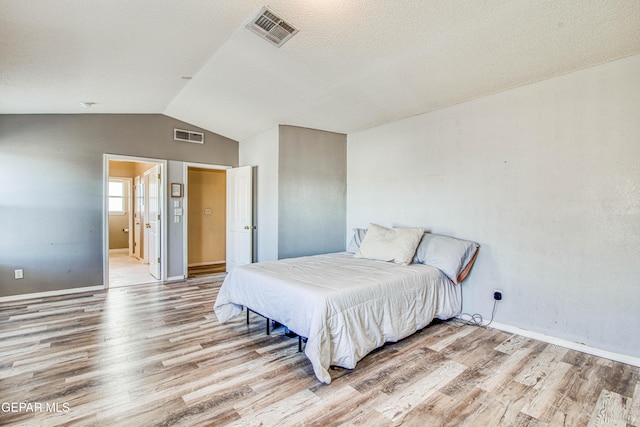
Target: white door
[
  {"x": 145, "y": 218},
  {"x": 153, "y": 224},
  {"x": 138, "y": 197},
  {"x": 239, "y": 217}
]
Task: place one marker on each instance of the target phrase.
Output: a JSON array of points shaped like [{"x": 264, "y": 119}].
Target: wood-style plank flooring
[
  {"x": 206, "y": 270},
  {"x": 156, "y": 355}
]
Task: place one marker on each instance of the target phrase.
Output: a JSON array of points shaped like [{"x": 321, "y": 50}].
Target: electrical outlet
[
  {"x": 497, "y": 295},
  {"x": 18, "y": 274}
]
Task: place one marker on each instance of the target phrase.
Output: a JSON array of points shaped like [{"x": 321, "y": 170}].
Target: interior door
[
  {"x": 239, "y": 217},
  {"x": 138, "y": 197},
  {"x": 153, "y": 224},
  {"x": 145, "y": 216}
]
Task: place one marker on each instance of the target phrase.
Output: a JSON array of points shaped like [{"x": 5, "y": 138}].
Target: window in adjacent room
[{"x": 117, "y": 196}]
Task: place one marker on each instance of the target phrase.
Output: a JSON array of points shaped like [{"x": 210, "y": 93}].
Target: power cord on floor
[{"x": 474, "y": 319}]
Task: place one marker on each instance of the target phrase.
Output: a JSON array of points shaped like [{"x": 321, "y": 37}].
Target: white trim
[
  {"x": 59, "y": 292},
  {"x": 185, "y": 208},
  {"x": 623, "y": 358},
  {"x": 105, "y": 214},
  {"x": 175, "y": 279},
  {"x": 205, "y": 166}
]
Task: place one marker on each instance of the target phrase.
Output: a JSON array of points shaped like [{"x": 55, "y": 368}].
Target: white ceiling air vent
[
  {"x": 271, "y": 27},
  {"x": 188, "y": 136}
]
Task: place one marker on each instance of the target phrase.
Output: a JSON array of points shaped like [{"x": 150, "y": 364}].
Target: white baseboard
[
  {"x": 51, "y": 293},
  {"x": 69, "y": 291},
  {"x": 623, "y": 358}
]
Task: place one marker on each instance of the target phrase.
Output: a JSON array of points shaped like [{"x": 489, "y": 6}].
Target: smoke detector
[{"x": 271, "y": 27}]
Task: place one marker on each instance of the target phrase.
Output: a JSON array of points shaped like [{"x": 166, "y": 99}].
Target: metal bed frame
[{"x": 269, "y": 326}]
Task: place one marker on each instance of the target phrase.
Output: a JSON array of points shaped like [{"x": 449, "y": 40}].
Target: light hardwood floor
[
  {"x": 155, "y": 355},
  {"x": 125, "y": 270}
]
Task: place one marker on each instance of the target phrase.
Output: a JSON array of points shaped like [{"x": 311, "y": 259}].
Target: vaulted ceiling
[{"x": 354, "y": 64}]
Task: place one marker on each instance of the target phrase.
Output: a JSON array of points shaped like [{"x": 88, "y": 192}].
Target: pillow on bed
[
  {"x": 390, "y": 244},
  {"x": 356, "y": 240},
  {"x": 454, "y": 257}
]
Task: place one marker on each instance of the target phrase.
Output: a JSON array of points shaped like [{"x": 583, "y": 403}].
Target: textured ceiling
[{"x": 353, "y": 65}]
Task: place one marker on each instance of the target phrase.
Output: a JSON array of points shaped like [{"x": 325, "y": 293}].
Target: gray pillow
[
  {"x": 356, "y": 240},
  {"x": 450, "y": 255}
]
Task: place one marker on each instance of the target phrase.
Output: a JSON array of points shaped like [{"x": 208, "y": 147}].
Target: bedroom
[{"x": 542, "y": 175}]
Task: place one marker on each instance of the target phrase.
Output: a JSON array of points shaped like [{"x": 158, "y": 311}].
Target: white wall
[
  {"x": 261, "y": 151},
  {"x": 546, "y": 178}
]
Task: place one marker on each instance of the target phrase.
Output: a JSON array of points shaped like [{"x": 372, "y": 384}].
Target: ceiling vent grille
[
  {"x": 271, "y": 27},
  {"x": 188, "y": 136}
]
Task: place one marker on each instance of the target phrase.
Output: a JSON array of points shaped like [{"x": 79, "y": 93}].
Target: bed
[{"x": 350, "y": 303}]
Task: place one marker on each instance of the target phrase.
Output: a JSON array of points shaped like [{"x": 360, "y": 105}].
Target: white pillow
[
  {"x": 390, "y": 244},
  {"x": 448, "y": 254}
]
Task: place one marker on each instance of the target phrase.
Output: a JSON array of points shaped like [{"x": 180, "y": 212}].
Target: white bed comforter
[{"x": 345, "y": 306}]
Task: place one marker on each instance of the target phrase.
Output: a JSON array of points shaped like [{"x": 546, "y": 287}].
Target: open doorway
[
  {"x": 205, "y": 203},
  {"x": 133, "y": 227}
]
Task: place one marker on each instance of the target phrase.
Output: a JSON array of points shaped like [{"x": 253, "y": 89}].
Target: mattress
[{"x": 345, "y": 306}]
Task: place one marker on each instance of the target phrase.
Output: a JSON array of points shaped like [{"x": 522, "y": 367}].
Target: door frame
[
  {"x": 185, "y": 207},
  {"x": 105, "y": 211}
]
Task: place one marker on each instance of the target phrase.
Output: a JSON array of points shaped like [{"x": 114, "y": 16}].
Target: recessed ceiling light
[
  {"x": 87, "y": 104},
  {"x": 186, "y": 77}
]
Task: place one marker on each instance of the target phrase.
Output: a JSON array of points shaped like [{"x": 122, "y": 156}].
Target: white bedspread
[{"x": 345, "y": 306}]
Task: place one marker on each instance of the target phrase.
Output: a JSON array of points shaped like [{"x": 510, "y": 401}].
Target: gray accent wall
[
  {"x": 51, "y": 170},
  {"x": 175, "y": 232},
  {"x": 301, "y": 184},
  {"x": 312, "y": 186}
]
